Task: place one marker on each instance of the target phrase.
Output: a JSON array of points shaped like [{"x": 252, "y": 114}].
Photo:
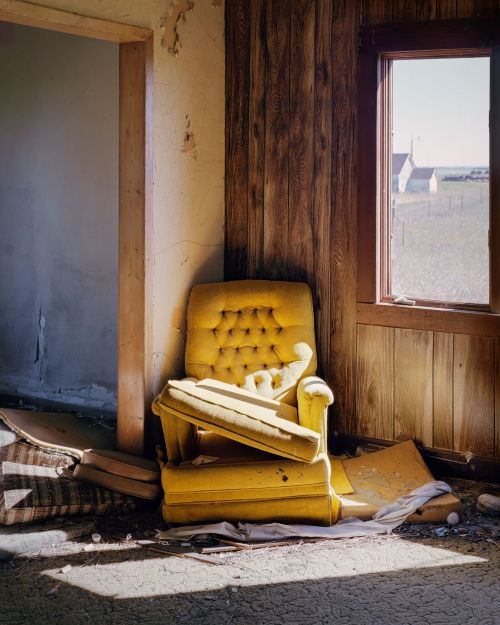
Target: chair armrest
[{"x": 313, "y": 398}]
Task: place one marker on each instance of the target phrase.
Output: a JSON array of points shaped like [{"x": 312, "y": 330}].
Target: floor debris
[{"x": 489, "y": 504}]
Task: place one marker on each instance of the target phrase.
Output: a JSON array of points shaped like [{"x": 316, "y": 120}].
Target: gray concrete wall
[{"x": 58, "y": 216}]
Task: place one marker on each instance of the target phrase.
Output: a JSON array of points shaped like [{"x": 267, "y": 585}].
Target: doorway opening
[{"x": 75, "y": 211}]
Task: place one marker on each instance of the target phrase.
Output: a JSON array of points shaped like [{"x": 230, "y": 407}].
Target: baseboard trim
[{"x": 442, "y": 463}]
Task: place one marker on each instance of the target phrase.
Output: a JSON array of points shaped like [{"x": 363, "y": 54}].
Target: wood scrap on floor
[{"x": 179, "y": 551}]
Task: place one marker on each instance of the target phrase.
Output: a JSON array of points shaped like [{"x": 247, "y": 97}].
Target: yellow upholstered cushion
[
  {"x": 249, "y": 491},
  {"x": 257, "y": 334},
  {"x": 268, "y": 425}
]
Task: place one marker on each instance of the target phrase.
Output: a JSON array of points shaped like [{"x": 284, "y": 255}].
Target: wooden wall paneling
[
  {"x": 343, "y": 219},
  {"x": 376, "y": 11},
  {"x": 466, "y": 8},
  {"x": 322, "y": 169},
  {"x": 476, "y": 8},
  {"x": 443, "y": 390},
  {"x": 134, "y": 320},
  {"x": 295, "y": 63},
  {"x": 375, "y": 382},
  {"x": 256, "y": 139},
  {"x": 446, "y": 9},
  {"x": 276, "y": 166},
  {"x": 237, "y": 96},
  {"x": 413, "y": 385},
  {"x": 301, "y": 251},
  {"x": 426, "y": 9},
  {"x": 497, "y": 398},
  {"x": 405, "y": 10},
  {"x": 473, "y": 394},
  {"x": 436, "y": 319},
  {"x": 368, "y": 275},
  {"x": 486, "y": 8}
]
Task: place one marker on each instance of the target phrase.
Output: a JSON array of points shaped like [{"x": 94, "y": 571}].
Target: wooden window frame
[
  {"x": 135, "y": 205},
  {"x": 378, "y": 46}
]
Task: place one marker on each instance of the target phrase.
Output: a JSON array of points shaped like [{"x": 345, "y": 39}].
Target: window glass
[{"x": 440, "y": 180}]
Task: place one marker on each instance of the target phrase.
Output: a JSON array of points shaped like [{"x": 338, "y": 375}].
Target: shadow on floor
[{"x": 464, "y": 593}]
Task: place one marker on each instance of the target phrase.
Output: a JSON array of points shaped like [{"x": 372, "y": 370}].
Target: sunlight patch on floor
[{"x": 169, "y": 576}]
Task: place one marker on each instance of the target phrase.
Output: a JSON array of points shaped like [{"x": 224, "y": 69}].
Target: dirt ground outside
[{"x": 420, "y": 575}]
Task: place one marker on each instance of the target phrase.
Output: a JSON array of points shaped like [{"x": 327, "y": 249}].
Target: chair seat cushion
[
  {"x": 249, "y": 490},
  {"x": 239, "y": 415}
]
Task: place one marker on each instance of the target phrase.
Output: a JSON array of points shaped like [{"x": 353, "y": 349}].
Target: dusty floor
[{"x": 413, "y": 576}]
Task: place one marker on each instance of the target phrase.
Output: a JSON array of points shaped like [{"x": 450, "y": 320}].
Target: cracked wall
[
  {"x": 188, "y": 195},
  {"x": 58, "y": 217}
]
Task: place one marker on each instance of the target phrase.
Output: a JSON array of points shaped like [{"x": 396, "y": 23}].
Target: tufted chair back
[{"x": 258, "y": 334}]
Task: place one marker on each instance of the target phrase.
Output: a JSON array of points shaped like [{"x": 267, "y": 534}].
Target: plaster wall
[
  {"x": 188, "y": 146},
  {"x": 58, "y": 216}
]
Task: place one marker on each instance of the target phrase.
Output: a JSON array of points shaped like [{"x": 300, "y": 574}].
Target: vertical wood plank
[
  {"x": 237, "y": 96},
  {"x": 368, "y": 274},
  {"x": 413, "y": 385},
  {"x": 135, "y": 178},
  {"x": 443, "y": 390},
  {"x": 376, "y": 11},
  {"x": 473, "y": 394},
  {"x": 485, "y": 8},
  {"x": 256, "y": 139},
  {"x": 466, "y": 8},
  {"x": 277, "y": 140},
  {"x": 405, "y": 10},
  {"x": 343, "y": 218},
  {"x": 322, "y": 181},
  {"x": 446, "y": 9},
  {"x": 300, "y": 210},
  {"x": 375, "y": 381},
  {"x": 477, "y": 8},
  {"x": 426, "y": 9},
  {"x": 497, "y": 398}
]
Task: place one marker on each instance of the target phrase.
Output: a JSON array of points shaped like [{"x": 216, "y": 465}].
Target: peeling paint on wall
[
  {"x": 177, "y": 318},
  {"x": 169, "y": 25},
  {"x": 189, "y": 143},
  {"x": 40, "y": 343}
]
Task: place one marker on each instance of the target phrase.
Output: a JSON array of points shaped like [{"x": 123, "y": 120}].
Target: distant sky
[{"x": 444, "y": 104}]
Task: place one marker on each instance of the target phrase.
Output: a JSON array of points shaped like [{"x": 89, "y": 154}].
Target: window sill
[{"x": 433, "y": 319}]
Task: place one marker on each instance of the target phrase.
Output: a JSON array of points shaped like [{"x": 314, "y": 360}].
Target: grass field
[{"x": 440, "y": 243}]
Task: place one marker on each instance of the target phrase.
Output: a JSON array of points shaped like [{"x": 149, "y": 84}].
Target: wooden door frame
[{"x": 135, "y": 204}]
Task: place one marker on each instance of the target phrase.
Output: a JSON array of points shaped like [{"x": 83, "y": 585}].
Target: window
[
  {"x": 438, "y": 193},
  {"x": 429, "y": 164}
]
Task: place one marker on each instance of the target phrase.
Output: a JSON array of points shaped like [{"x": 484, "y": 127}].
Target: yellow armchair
[{"x": 246, "y": 431}]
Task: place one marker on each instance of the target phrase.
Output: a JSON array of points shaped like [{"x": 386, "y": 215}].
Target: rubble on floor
[{"x": 453, "y": 579}]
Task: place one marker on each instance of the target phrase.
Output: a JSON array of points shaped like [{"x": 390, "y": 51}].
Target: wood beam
[
  {"x": 135, "y": 262},
  {"x": 28, "y": 14}
]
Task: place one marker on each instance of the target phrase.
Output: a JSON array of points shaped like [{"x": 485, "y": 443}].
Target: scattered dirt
[{"x": 415, "y": 575}]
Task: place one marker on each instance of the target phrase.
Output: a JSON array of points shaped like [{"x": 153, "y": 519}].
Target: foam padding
[
  {"x": 381, "y": 477},
  {"x": 57, "y": 431}
]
